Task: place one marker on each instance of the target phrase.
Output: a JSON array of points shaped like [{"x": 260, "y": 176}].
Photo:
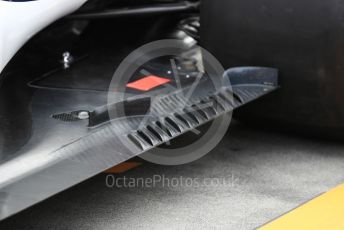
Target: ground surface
[{"x": 258, "y": 175}]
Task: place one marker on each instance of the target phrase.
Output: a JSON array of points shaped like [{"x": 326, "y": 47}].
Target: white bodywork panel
[{"x": 19, "y": 21}]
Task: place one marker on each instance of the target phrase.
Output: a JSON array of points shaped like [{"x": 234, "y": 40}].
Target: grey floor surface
[{"x": 256, "y": 176}]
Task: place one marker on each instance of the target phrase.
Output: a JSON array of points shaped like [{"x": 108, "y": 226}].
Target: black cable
[{"x": 137, "y": 11}]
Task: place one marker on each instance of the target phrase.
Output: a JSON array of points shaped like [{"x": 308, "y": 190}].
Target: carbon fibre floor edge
[{"x": 61, "y": 154}]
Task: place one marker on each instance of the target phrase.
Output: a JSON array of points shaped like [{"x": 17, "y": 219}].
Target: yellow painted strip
[
  {"x": 323, "y": 212},
  {"x": 121, "y": 168}
]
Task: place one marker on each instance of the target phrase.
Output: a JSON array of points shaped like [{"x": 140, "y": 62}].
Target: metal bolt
[
  {"x": 67, "y": 59},
  {"x": 83, "y": 115}
]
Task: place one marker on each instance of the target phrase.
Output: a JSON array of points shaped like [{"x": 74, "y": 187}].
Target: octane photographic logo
[{"x": 174, "y": 76}]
